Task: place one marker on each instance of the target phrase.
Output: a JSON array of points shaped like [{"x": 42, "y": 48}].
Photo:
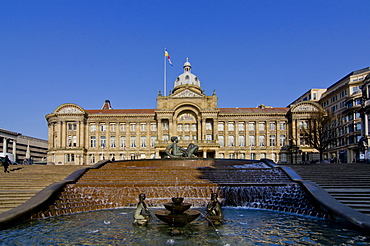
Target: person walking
[{"x": 6, "y": 162}]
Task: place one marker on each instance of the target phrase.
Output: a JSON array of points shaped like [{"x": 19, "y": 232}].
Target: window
[
  {"x": 253, "y": 156},
  {"x": 187, "y": 127},
  {"x": 92, "y": 128},
  {"x": 103, "y": 127},
  {"x": 103, "y": 141},
  {"x": 112, "y": 127},
  {"x": 153, "y": 139},
  {"x": 303, "y": 124},
  {"x": 153, "y": 127},
  {"x": 165, "y": 125},
  {"x": 241, "y": 126},
  {"x": 165, "y": 138},
  {"x": 208, "y": 137},
  {"x": 143, "y": 141},
  {"x": 282, "y": 140},
  {"x": 231, "y": 126},
  {"x": 113, "y": 142},
  {"x": 272, "y": 126},
  {"x": 272, "y": 140},
  {"x": 179, "y": 127},
  {"x": 231, "y": 156},
  {"x": 221, "y": 126},
  {"x": 122, "y": 127},
  {"x": 72, "y": 126},
  {"x": 262, "y": 140},
  {"x": 283, "y": 157},
  {"x": 133, "y": 127},
  {"x": 282, "y": 126},
  {"x": 231, "y": 141},
  {"x": 208, "y": 125},
  {"x": 262, "y": 126},
  {"x": 133, "y": 141},
  {"x": 221, "y": 141},
  {"x": 263, "y": 156},
  {"x": 143, "y": 127},
  {"x": 193, "y": 127},
  {"x": 241, "y": 141},
  {"x": 92, "y": 158},
  {"x": 252, "y": 126},
  {"x": 122, "y": 142},
  {"x": 252, "y": 141},
  {"x": 242, "y": 156},
  {"x": 92, "y": 141},
  {"x": 187, "y": 138},
  {"x": 70, "y": 158}
]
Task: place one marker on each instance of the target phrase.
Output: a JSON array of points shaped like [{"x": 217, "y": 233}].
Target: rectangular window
[
  {"x": 272, "y": 126},
  {"x": 252, "y": 140},
  {"x": 133, "y": 127},
  {"x": 208, "y": 137},
  {"x": 262, "y": 140},
  {"x": 187, "y": 127},
  {"x": 282, "y": 140},
  {"x": 113, "y": 142},
  {"x": 153, "y": 139},
  {"x": 103, "y": 141},
  {"x": 282, "y": 126},
  {"x": 231, "y": 126},
  {"x": 165, "y": 126},
  {"x": 208, "y": 125},
  {"x": 133, "y": 141},
  {"x": 70, "y": 158},
  {"x": 112, "y": 127},
  {"x": 165, "y": 138},
  {"x": 103, "y": 127},
  {"x": 221, "y": 140},
  {"x": 272, "y": 140},
  {"x": 122, "y": 142},
  {"x": 262, "y": 126},
  {"x": 92, "y": 158},
  {"x": 193, "y": 127},
  {"x": 122, "y": 127},
  {"x": 92, "y": 128},
  {"x": 241, "y": 141},
  {"x": 252, "y": 126},
  {"x": 179, "y": 127},
  {"x": 143, "y": 127},
  {"x": 153, "y": 127},
  {"x": 231, "y": 141},
  {"x": 72, "y": 126},
  {"x": 241, "y": 126},
  {"x": 221, "y": 126},
  {"x": 92, "y": 141},
  {"x": 143, "y": 141}
]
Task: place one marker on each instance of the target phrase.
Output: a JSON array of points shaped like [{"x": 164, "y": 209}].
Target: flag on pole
[{"x": 168, "y": 57}]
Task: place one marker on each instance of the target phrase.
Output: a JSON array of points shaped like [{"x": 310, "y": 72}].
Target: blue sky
[{"x": 250, "y": 52}]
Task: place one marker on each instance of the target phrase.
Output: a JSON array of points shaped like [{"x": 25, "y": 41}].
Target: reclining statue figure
[{"x": 178, "y": 151}]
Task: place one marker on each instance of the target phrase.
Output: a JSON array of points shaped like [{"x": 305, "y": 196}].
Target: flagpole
[{"x": 165, "y": 74}]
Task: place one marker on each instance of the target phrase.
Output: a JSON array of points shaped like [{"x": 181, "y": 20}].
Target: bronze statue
[
  {"x": 142, "y": 214},
  {"x": 214, "y": 211},
  {"x": 178, "y": 151}
]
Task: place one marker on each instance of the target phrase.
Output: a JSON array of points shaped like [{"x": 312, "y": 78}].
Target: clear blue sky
[{"x": 250, "y": 52}]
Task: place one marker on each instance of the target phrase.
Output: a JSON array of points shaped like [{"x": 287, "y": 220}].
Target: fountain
[
  {"x": 247, "y": 190},
  {"x": 177, "y": 213}
]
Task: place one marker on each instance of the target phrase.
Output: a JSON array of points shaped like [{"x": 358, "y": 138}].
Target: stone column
[
  {"x": 15, "y": 149},
  {"x": 5, "y": 145}
]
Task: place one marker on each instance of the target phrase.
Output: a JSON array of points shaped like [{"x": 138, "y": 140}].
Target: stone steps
[
  {"x": 23, "y": 182},
  {"x": 348, "y": 183}
]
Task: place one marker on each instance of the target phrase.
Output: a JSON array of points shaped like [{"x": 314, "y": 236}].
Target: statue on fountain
[
  {"x": 178, "y": 151},
  {"x": 142, "y": 214},
  {"x": 214, "y": 211}
]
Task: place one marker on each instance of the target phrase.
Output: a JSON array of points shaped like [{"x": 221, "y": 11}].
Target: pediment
[
  {"x": 69, "y": 109},
  {"x": 305, "y": 108},
  {"x": 187, "y": 93}
]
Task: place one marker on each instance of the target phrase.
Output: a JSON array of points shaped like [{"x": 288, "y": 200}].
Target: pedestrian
[{"x": 6, "y": 162}]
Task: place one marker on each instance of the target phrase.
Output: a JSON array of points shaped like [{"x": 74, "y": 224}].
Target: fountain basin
[
  {"x": 174, "y": 219},
  {"x": 177, "y": 208}
]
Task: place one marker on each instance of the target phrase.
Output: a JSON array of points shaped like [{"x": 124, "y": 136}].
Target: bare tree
[{"x": 320, "y": 131}]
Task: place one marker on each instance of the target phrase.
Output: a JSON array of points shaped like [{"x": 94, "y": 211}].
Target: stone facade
[{"x": 80, "y": 136}]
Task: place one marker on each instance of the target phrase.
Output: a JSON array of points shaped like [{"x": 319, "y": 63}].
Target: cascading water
[{"x": 116, "y": 185}]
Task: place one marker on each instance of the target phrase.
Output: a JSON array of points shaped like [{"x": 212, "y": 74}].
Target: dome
[{"x": 187, "y": 77}]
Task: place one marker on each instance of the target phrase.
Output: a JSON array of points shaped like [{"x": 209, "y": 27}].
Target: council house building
[{"x": 80, "y": 136}]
